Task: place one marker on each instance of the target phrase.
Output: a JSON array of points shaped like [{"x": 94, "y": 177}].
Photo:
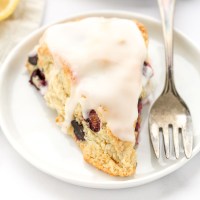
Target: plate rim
[{"x": 101, "y": 184}]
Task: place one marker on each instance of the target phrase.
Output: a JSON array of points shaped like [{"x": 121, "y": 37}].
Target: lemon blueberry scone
[{"x": 91, "y": 71}]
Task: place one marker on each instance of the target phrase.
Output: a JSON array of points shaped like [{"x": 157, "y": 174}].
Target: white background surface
[{"x": 20, "y": 180}]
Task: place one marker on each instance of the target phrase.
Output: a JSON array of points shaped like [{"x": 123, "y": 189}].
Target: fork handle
[{"x": 167, "y": 16}]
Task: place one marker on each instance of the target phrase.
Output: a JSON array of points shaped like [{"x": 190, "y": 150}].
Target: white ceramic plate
[{"x": 30, "y": 128}]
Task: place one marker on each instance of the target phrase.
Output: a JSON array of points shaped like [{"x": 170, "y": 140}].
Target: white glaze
[
  {"x": 34, "y": 51},
  {"x": 147, "y": 74},
  {"x": 106, "y": 57},
  {"x": 43, "y": 90}
]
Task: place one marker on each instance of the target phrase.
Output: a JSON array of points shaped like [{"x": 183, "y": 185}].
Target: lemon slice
[{"x": 7, "y": 7}]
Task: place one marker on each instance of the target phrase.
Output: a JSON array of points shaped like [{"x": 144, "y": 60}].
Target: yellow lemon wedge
[{"x": 7, "y": 7}]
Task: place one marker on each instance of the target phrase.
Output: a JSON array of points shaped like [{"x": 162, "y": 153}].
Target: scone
[{"x": 91, "y": 71}]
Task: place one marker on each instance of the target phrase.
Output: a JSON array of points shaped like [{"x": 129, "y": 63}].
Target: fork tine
[
  {"x": 187, "y": 134},
  {"x": 166, "y": 140},
  {"x": 176, "y": 141},
  {"x": 155, "y": 138}
]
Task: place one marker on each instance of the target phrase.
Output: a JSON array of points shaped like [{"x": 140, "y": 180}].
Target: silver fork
[{"x": 169, "y": 111}]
